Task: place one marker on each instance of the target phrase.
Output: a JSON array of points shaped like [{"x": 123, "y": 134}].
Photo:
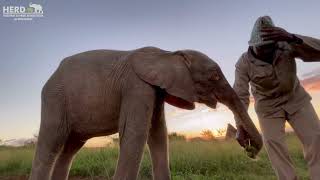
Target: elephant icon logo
[{"x": 37, "y": 8}]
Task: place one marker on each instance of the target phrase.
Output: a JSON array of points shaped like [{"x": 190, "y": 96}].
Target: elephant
[
  {"x": 37, "y": 7},
  {"x": 102, "y": 92}
]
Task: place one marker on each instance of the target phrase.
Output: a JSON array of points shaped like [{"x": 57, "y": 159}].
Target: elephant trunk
[{"x": 232, "y": 101}]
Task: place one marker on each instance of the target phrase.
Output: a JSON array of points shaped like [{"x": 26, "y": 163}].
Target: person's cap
[{"x": 261, "y": 22}]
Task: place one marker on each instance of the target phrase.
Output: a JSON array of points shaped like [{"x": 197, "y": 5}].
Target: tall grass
[{"x": 197, "y": 160}]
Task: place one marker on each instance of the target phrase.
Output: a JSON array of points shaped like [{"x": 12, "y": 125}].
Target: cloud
[{"x": 311, "y": 81}]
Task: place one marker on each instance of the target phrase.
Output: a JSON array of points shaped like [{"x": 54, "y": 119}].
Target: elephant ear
[{"x": 170, "y": 72}]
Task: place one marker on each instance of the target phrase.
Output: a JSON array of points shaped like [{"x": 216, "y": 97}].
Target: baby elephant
[{"x": 102, "y": 92}]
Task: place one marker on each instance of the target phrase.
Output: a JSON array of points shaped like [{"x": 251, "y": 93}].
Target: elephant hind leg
[
  {"x": 48, "y": 147},
  {"x": 52, "y": 136},
  {"x": 63, "y": 162}
]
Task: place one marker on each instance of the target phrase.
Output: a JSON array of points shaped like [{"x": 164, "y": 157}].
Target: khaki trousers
[{"x": 306, "y": 125}]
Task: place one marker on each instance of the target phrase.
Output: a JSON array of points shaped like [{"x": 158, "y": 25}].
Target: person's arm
[
  {"x": 241, "y": 83},
  {"x": 303, "y": 47},
  {"x": 308, "y": 49}
]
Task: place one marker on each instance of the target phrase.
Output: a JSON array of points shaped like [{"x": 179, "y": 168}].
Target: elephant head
[{"x": 189, "y": 76}]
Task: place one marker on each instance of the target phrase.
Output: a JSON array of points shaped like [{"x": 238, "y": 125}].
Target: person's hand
[{"x": 276, "y": 34}]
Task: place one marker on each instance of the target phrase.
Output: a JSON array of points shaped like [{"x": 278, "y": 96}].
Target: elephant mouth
[
  {"x": 212, "y": 102},
  {"x": 213, "y": 106},
  {"x": 179, "y": 102}
]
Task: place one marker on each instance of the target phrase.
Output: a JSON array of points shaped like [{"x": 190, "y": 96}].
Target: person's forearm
[{"x": 306, "y": 48}]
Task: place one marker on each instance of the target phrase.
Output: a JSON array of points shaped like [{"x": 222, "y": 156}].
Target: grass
[{"x": 196, "y": 160}]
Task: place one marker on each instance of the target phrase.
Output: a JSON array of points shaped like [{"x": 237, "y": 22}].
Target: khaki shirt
[{"x": 275, "y": 87}]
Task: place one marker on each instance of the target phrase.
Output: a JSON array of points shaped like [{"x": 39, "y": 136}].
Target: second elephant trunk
[{"x": 242, "y": 118}]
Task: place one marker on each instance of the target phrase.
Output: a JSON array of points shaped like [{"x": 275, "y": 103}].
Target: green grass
[{"x": 188, "y": 160}]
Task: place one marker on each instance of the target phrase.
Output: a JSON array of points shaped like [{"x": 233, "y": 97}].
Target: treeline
[{"x": 205, "y": 135}]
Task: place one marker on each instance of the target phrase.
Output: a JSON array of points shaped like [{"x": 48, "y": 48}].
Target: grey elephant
[{"x": 102, "y": 92}]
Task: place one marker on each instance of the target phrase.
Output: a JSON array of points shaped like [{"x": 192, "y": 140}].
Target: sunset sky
[{"x": 31, "y": 50}]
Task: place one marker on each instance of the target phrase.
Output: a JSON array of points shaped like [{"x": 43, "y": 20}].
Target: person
[{"x": 269, "y": 67}]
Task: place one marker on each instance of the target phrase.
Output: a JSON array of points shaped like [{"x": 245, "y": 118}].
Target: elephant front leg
[
  {"x": 158, "y": 145},
  {"x": 135, "y": 119}
]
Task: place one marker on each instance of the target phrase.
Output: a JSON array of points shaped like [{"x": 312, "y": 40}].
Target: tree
[
  {"x": 221, "y": 131},
  {"x": 207, "y": 135},
  {"x": 176, "y": 136}
]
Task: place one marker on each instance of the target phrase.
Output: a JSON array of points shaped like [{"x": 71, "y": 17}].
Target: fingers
[
  {"x": 274, "y": 37},
  {"x": 272, "y": 29},
  {"x": 267, "y": 29},
  {"x": 271, "y": 33},
  {"x": 275, "y": 34}
]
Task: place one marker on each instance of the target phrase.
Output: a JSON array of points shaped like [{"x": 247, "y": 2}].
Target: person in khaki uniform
[{"x": 269, "y": 67}]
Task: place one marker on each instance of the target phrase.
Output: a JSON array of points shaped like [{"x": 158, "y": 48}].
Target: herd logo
[{"x": 23, "y": 12}]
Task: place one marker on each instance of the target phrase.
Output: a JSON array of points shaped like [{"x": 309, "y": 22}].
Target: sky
[{"x": 31, "y": 50}]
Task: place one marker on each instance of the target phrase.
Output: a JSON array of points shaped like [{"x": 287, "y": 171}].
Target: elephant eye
[{"x": 214, "y": 76}]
